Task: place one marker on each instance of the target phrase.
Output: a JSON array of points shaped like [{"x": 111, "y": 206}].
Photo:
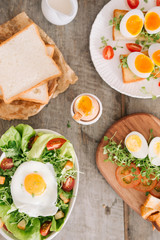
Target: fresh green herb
[
  {"x": 117, "y": 153},
  {"x": 137, "y": 41},
  {"x": 116, "y": 22},
  {"x": 146, "y": 1},
  {"x": 114, "y": 48},
  {"x": 33, "y": 195},
  {"x": 151, "y": 136},
  {"x": 150, "y": 38},
  {"x": 147, "y": 193},
  {"x": 104, "y": 42},
  {"x": 142, "y": 9},
  {"x": 123, "y": 60},
  {"x": 68, "y": 124}
]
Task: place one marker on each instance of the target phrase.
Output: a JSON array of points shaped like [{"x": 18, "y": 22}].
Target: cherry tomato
[
  {"x": 108, "y": 52},
  {"x": 146, "y": 184},
  {"x": 7, "y": 163},
  {"x": 4, "y": 226},
  {"x": 158, "y": 2},
  {"x": 45, "y": 228},
  {"x": 133, "y": 47},
  {"x": 133, "y": 3},
  {"x": 128, "y": 176},
  {"x": 55, "y": 143},
  {"x": 159, "y": 84},
  {"x": 68, "y": 184},
  {"x": 156, "y": 190},
  {"x": 32, "y": 141}
]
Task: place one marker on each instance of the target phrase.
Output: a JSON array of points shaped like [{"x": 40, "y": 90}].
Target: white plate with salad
[
  {"x": 39, "y": 178},
  {"x": 110, "y": 70}
]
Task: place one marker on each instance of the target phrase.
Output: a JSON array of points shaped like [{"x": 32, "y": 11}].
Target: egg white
[
  {"x": 34, "y": 206},
  {"x": 154, "y": 158},
  {"x": 156, "y": 10},
  {"x": 143, "y": 151},
  {"x": 152, "y": 49},
  {"x": 123, "y": 22},
  {"x": 131, "y": 64}
]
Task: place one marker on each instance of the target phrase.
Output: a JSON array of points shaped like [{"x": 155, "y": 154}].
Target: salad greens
[
  {"x": 14, "y": 143},
  {"x": 117, "y": 153}
]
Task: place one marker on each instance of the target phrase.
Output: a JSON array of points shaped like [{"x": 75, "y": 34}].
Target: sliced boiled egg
[
  {"x": 154, "y": 151},
  {"x": 154, "y": 53},
  {"x": 140, "y": 64},
  {"x": 132, "y": 23},
  {"x": 136, "y": 144},
  {"x": 152, "y": 20}
]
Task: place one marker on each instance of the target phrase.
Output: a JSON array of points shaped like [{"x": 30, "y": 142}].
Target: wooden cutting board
[{"x": 142, "y": 123}]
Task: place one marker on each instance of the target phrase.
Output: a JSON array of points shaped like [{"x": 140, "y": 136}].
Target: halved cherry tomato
[
  {"x": 158, "y": 2},
  {"x": 133, "y": 3},
  {"x": 146, "y": 184},
  {"x": 156, "y": 190},
  {"x": 32, "y": 141},
  {"x": 7, "y": 163},
  {"x": 45, "y": 228},
  {"x": 128, "y": 176},
  {"x": 55, "y": 143},
  {"x": 108, "y": 52},
  {"x": 133, "y": 47},
  {"x": 68, "y": 184}
]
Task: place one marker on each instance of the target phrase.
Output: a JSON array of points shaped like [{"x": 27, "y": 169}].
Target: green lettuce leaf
[
  {"x": 3, "y": 210},
  {"x": 39, "y": 146},
  {"x": 26, "y": 133},
  {"x": 10, "y": 142},
  {"x": 67, "y": 151},
  {"x": 57, "y": 224}
]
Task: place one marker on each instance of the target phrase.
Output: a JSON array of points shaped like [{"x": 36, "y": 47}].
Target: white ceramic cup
[
  {"x": 95, "y": 119},
  {"x": 10, "y": 236},
  {"x": 57, "y": 17}
]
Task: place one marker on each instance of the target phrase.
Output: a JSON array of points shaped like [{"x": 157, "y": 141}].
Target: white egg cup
[
  {"x": 96, "y": 118},
  {"x": 56, "y": 17},
  {"x": 9, "y": 236}
]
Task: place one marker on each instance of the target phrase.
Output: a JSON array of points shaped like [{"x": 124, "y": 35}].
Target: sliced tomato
[
  {"x": 146, "y": 184},
  {"x": 7, "y": 163},
  {"x": 156, "y": 190},
  {"x": 32, "y": 141},
  {"x": 133, "y": 47},
  {"x": 128, "y": 176},
  {"x": 45, "y": 228},
  {"x": 68, "y": 184},
  {"x": 133, "y": 3},
  {"x": 55, "y": 143},
  {"x": 108, "y": 52},
  {"x": 158, "y": 2}
]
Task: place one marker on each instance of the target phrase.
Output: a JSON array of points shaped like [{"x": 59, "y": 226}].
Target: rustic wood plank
[{"x": 98, "y": 213}]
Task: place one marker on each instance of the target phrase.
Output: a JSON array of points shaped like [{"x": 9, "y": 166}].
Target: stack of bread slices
[{"x": 26, "y": 66}]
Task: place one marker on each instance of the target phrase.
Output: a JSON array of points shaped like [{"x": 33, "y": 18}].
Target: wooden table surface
[{"x": 99, "y": 212}]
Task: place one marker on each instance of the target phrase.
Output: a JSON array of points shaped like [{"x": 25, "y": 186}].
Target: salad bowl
[{"x": 9, "y": 236}]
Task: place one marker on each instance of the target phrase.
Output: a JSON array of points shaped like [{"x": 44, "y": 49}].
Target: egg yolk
[
  {"x": 156, "y": 57},
  {"x": 157, "y": 148},
  {"x": 85, "y": 105},
  {"x": 144, "y": 64},
  {"x": 34, "y": 184},
  {"x": 134, "y": 25},
  {"x": 152, "y": 21},
  {"x": 133, "y": 143}
]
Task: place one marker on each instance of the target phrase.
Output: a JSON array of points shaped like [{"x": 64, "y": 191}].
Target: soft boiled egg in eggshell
[
  {"x": 34, "y": 189},
  {"x": 140, "y": 64},
  {"x": 136, "y": 144},
  {"x": 132, "y": 23},
  {"x": 154, "y": 53},
  {"x": 154, "y": 151},
  {"x": 152, "y": 20}
]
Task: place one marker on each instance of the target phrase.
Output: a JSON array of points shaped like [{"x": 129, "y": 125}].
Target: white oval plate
[
  {"x": 9, "y": 236},
  {"x": 108, "y": 69}
]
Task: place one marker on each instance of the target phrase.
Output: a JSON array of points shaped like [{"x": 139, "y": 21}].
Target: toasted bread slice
[
  {"x": 129, "y": 77},
  {"x": 153, "y": 217},
  {"x": 146, "y": 211},
  {"x": 152, "y": 202},
  {"x": 116, "y": 34},
  {"x": 156, "y": 223}
]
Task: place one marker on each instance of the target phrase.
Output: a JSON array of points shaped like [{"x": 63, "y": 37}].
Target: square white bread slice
[
  {"x": 37, "y": 94},
  {"x": 116, "y": 34},
  {"x": 24, "y": 63}
]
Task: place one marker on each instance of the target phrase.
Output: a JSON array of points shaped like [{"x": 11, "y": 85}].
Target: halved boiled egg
[
  {"x": 136, "y": 144},
  {"x": 132, "y": 23},
  {"x": 34, "y": 189},
  {"x": 152, "y": 20},
  {"x": 154, "y": 53},
  {"x": 140, "y": 64},
  {"x": 154, "y": 151}
]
